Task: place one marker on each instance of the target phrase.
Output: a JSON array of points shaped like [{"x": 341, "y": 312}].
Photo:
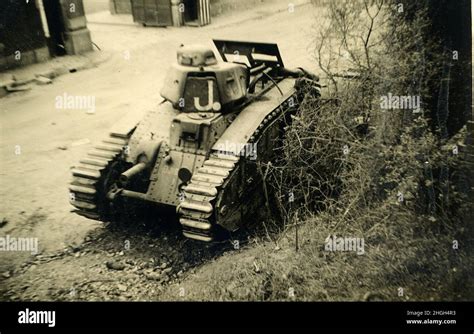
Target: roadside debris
[
  {"x": 3, "y": 222},
  {"x": 113, "y": 265},
  {"x": 12, "y": 88},
  {"x": 43, "y": 80}
]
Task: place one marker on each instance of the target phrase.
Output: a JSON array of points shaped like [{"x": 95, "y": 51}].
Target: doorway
[
  {"x": 190, "y": 12},
  {"x": 52, "y": 9}
]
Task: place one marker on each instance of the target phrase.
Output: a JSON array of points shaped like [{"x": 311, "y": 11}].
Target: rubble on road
[
  {"x": 23, "y": 78},
  {"x": 114, "y": 265}
]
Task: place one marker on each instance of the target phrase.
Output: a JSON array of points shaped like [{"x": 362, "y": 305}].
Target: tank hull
[{"x": 208, "y": 163}]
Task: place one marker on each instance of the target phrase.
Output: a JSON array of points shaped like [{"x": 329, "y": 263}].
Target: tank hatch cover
[{"x": 196, "y": 55}]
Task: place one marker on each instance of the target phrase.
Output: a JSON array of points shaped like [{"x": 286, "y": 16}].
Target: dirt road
[{"x": 80, "y": 258}]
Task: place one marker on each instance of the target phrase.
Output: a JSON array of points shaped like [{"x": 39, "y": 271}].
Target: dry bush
[{"x": 358, "y": 170}]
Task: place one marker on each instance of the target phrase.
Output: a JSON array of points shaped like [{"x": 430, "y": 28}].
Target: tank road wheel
[{"x": 95, "y": 176}]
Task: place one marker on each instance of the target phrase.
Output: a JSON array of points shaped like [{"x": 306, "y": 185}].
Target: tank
[{"x": 200, "y": 149}]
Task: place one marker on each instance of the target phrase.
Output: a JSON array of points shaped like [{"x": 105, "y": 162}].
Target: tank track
[
  {"x": 197, "y": 208},
  {"x": 88, "y": 188}
]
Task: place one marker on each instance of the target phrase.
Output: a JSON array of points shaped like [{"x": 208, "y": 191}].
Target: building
[
  {"x": 178, "y": 12},
  {"x": 34, "y": 30}
]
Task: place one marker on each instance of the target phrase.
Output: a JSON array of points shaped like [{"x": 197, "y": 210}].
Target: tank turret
[{"x": 199, "y": 83}]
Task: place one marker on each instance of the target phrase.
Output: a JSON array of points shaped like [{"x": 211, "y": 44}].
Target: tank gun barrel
[{"x": 130, "y": 173}]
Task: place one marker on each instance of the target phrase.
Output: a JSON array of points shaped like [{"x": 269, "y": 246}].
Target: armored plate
[
  {"x": 239, "y": 132},
  {"x": 153, "y": 129}
]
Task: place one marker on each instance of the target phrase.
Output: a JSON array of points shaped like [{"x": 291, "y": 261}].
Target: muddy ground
[{"x": 81, "y": 259}]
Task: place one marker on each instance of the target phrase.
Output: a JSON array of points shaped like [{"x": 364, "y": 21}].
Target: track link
[
  {"x": 197, "y": 207},
  {"x": 87, "y": 190}
]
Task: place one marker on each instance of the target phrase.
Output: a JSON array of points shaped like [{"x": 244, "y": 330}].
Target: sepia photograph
[{"x": 271, "y": 152}]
